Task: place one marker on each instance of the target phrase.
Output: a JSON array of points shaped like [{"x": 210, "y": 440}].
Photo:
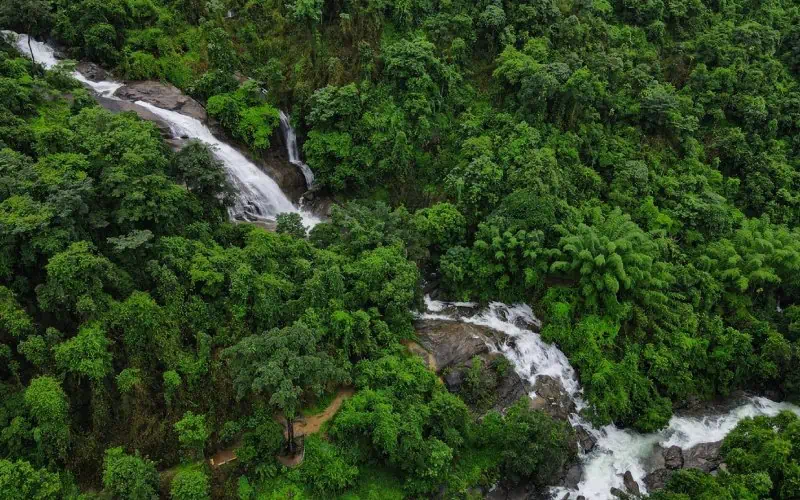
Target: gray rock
[
  {"x": 673, "y": 457},
  {"x": 581, "y": 497},
  {"x": 454, "y": 379},
  {"x": 657, "y": 479},
  {"x": 573, "y": 476},
  {"x": 452, "y": 343},
  {"x": 502, "y": 493},
  {"x": 552, "y": 398},
  {"x": 92, "y": 71},
  {"x": 162, "y": 95},
  {"x": 586, "y": 441},
  {"x": 619, "y": 493},
  {"x": 117, "y": 106},
  {"x": 655, "y": 460},
  {"x": 704, "y": 456},
  {"x": 630, "y": 483},
  {"x": 510, "y": 389}
]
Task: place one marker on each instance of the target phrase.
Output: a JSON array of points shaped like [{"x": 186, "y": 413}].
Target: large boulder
[
  {"x": 551, "y": 397},
  {"x": 573, "y": 477},
  {"x": 673, "y": 457},
  {"x": 92, "y": 71},
  {"x": 118, "y": 106},
  {"x": 453, "y": 343},
  {"x": 510, "y": 389},
  {"x": 657, "y": 479},
  {"x": 704, "y": 456},
  {"x": 630, "y": 483},
  {"x": 162, "y": 95},
  {"x": 449, "y": 347},
  {"x": 586, "y": 441}
]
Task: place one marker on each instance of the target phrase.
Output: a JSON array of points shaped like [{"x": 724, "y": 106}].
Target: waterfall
[
  {"x": 259, "y": 197},
  {"x": 617, "y": 450},
  {"x": 291, "y": 149}
]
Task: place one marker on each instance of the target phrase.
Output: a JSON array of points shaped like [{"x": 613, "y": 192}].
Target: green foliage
[
  {"x": 204, "y": 175},
  {"x": 324, "y": 469},
  {"x": 192, "y": 433},
  {"x": 283, "y": 364},
  {"x": 20, "y": 480},
  {"x": 245, "y": 116},
  {"x": 48, "y": 407},
  {"x": 291, "y": 223},
  {"x": 191, "y": 484},
  {"x": 764, "y": 446},
  {"x": 129, "y": 477},
  {"x": 761, "y": 459},
  {"x": 86, "y": 354},
  {"x": 608, "y": 259},
  {"x": 532, "y": 445},
  {"x": 628, "y": 169}
]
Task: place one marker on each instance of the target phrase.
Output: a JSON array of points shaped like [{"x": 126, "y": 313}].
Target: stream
[
  {"x": 259, "y": 198},
  {"x": 617, "y": 450}
]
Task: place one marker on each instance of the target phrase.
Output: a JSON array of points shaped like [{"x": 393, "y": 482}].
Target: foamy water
[
  {"x": 259, "y": 196},
  {"x": 617, "y": 450}
]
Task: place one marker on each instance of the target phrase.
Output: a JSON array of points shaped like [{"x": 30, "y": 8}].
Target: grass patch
[
  {"x": 375, "y": 483},
  {"x": 319, "y": 405}
]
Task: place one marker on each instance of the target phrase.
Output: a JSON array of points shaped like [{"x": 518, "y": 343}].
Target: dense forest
[{"x": 629, "y": 169}]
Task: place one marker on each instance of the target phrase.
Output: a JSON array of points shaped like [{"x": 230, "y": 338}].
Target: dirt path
[
  {"x": 313, "y": 423},
  {"x": 222, "y": 457},
  {"x": 303, "y": 426}
]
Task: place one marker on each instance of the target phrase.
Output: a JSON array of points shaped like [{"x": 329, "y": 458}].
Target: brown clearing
[
  {"x": 222, "y": 457},
  {"x": 311, "y": 424},
  {"x": 427, "y": 357}
]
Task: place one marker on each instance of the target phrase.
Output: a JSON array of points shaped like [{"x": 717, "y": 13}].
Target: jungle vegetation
[{"x": 630, "y": 169}]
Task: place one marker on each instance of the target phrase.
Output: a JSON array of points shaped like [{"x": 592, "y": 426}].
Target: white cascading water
[
  {"x": 617, "y": 450},
  {"x": 45, "y": 55},
  {"x": 294, "y": 153},
  {"x": 259, "y": 196}
]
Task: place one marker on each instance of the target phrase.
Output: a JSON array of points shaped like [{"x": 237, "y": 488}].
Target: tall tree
[
  {"x": 33, "y": 16},
  {"x": 283, "y": 365}
]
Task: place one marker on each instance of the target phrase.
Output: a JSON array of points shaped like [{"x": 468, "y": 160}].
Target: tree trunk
[
  {"x": 290, "y": 434},
  {"x": 30, "y": 48}
]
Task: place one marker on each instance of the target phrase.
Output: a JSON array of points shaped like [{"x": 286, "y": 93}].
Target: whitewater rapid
[
  {"x": 259, "y": 198},
  {"x": 617, "y": 450}
]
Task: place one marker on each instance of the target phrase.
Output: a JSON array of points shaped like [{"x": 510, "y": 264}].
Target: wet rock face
[
  {"x": 573, "y": 476},
  {"x": 117, "y": 106},
  {"x": 510, "y": 389},
  {"x": 551, "y": 398},
  {"x": 162, "y": 95},
  {"x": 704, "y": 456},
  {"x": 586, "y": 441},
  {"x": 673, "y": 457},
  {"x": 630, "y": 484},
  {"x": 454, "y": 379},
  {"x": 92, "y": 71},
  {"x": 275, "y": 163},
  {"x": 453, "y": 343},
  {"x": 657, "y": 479}
]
